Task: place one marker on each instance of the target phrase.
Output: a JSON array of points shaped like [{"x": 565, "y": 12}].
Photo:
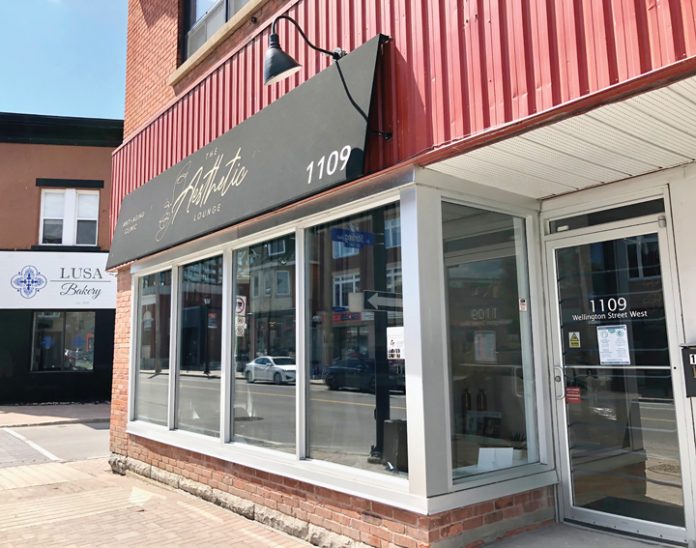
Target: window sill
[
  {"x": 386, "y": 489},
  {"x": 202, "y": 53},
  {"x": 66, "y": 248},
  {"x": 393, "y": 491},
  {"x": 62, "y": 371}
]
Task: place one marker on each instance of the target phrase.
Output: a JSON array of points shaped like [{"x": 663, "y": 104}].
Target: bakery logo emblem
[{"x": 29, "y": 281}]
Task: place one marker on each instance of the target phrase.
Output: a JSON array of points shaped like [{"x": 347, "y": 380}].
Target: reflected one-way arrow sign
[{"x": 381, "y": 300}]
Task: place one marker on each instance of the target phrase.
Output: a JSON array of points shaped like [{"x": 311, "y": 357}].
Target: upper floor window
[
  {"x": 341, "y": 250},
  {"x": 392, "y": 232},
  {"x": 69, "y": 217},
  {"x": 276, "y": 247},
  {"x": 204, "y": 18}
]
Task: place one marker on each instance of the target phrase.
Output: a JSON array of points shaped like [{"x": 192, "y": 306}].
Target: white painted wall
[{"x": 683, "y": 200}]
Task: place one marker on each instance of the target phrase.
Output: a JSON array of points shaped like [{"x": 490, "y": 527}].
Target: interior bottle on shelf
[{"x": 481, "y": 400}]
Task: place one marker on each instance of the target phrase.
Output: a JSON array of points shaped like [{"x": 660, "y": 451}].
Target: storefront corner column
[{"x": 427, "y": 394}]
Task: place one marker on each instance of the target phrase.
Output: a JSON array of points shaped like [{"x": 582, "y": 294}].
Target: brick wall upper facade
[
  {"x": 148, "y": 69},
  {"x": 150, "y": 23},
  {"x": 22, "y": 164}
]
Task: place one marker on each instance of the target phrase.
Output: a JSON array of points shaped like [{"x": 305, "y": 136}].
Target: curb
[{"x": 55, "y": 422}]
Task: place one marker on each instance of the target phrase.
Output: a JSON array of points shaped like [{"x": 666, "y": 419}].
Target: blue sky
[{"x": 63, "y": 57}]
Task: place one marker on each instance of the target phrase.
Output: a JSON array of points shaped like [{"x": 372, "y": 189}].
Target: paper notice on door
[
  {"x": 484, "y": 347},
  {"x": 613, "y": 345}
]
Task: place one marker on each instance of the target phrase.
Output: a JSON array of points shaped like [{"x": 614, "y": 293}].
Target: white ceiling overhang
[{"x": 646, "y": 133}]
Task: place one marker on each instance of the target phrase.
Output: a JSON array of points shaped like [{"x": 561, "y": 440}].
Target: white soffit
[{"x": 646, "y": 133}]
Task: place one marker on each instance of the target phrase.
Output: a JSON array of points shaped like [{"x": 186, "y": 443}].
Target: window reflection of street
[
  {"x": 623, "y": 444},
  {"x": 265, "y": 365},
  {"x": 270, "y": 424},
  {"x": 356, "y": 408},
  {"x": 200, "y": 343}
]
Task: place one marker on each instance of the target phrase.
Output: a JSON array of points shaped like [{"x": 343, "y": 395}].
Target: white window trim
[
  {"x": 394, "y": 273},
  {"x": 70, "y": 216},
  {"x": 390, "y": 490},
  {"x": 351, "y": 277},
  {"x": 339, "y": 250},
  {"x": 43, "y": 217},
  {"x": 390, "y": 227},
  {"x": 269, "y": 248},
  {"x": 78, "y": 218},
  {"x": 407, "y": 493}
]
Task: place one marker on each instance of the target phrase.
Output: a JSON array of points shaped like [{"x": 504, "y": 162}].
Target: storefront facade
[
  {"x": 57, "y": 301},
  {"x": 436, "y": 308}
]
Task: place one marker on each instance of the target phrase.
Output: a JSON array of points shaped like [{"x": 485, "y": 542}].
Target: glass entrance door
[{"x": 614, "y": 385}]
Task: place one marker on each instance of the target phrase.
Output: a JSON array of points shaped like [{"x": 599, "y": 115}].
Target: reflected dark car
[{"x": 359, "y": 374}]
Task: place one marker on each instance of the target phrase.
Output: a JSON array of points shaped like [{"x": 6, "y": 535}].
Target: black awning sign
[{"x": 309, "y": 140}]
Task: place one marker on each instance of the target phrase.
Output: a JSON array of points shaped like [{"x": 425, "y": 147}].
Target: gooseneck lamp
[{"x": 278, "y": 64}]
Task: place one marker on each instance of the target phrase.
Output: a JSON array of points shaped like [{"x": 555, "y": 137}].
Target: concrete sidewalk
[
  {"x": 58, "y": 413},
  {"x": 567, "y": 536},
  {"x": 88, "y": 505}
]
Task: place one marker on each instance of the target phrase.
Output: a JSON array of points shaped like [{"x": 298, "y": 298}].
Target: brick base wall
[
  {"x": 316, "y": 514},
  {"x": 330, "y": 518}
]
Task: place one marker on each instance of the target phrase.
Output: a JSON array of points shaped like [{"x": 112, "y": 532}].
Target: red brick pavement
[{"x": 87, "y": 505}]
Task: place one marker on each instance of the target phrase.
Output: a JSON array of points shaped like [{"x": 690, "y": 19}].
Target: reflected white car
[{"x": 275, "y": 369}]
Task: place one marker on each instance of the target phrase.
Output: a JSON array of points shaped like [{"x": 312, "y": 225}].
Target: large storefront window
[
  {"x": 356, "y": 404},
  {"x": 265, "y": 365},
  {"x": 490, "y": 351},
  {"x": 200, "y": 345},
  {"x": 152, "y": 361},
  {"x": 63, "y": 341}
]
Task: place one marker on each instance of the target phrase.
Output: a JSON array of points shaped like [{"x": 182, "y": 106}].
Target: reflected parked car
[
  {"x": 275, "y": 369},
  {"x": 359, "y": 374},
  {"x": 78, "y": 359}
]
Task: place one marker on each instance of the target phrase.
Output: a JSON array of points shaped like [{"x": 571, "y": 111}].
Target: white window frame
[
  {"x": 70, "y": 216},
  {"x": 394, "y": 273},
  {"x": 351, "y": 278},
  {"x": 392, "y": 228},
  {"x": 339, "y": 250},
  {"x": 211, "y": 21},
  {"x": 429, "y": 487},
  {"x": 280, "y": 249}
]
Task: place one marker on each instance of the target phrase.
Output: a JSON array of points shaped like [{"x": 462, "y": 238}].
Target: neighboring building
[
  {"x": 484, "y": 312},
  {"x": 57, "y": 300}
]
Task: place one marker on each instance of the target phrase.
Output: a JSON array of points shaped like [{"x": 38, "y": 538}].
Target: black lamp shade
[{"x": 277, "y": 64}]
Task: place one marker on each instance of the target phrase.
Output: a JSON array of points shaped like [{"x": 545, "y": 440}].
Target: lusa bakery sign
[{"x": 54, "y": 280}]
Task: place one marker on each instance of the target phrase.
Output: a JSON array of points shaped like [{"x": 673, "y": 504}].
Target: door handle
[{"x": 558, "y": 381}]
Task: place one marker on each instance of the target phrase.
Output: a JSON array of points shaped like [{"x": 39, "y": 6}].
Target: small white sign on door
[{"x": 613, "y": 345}]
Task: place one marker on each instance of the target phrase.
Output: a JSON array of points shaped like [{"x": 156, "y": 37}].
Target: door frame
[{"x": 660, "y": 224}]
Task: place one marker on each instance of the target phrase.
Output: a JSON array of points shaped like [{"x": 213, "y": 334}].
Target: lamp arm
[{"x": 337, "y": 54}]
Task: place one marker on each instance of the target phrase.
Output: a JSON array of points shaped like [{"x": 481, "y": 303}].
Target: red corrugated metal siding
[{"x": 454, "y": 68}]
